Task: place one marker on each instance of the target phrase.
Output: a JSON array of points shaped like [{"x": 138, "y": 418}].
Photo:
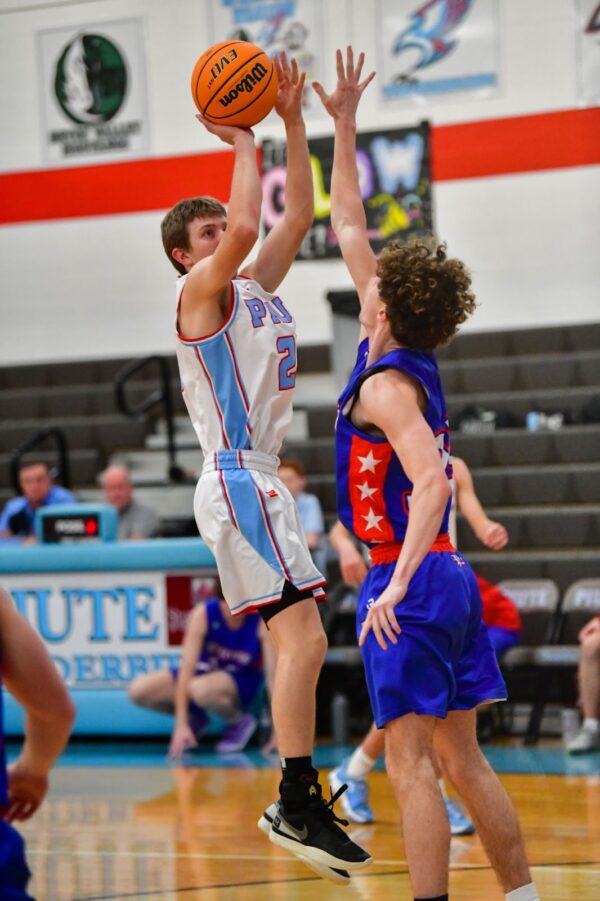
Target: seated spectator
[
  {"x": 136, "y": 521},
  {"x": 501, "y": 616},
  {"x": 293, "y": 475},
  {"x": 38, "y": 490},
  {"x": 588, "y": 737},
  {"x": 221, "y": 672}
]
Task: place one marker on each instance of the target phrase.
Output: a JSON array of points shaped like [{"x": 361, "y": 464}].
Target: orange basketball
[{"x": 234, "y": 83}]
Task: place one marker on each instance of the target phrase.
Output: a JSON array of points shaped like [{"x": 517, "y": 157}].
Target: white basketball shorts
[{"x": 250, "y": 522}]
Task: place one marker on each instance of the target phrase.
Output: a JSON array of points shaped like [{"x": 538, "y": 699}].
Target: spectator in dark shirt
[
  {"x": 38, "y": 490},
  {"x": 136, "y": 521}
]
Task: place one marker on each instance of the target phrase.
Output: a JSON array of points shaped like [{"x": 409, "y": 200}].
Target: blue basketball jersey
[
  {"x": 237, "y": 651},
  {"x": 373, "y": 490},
  {"x": 3, "y": 780}
]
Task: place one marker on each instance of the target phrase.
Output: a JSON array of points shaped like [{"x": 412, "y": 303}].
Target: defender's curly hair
[{"x": 426, "y": 294}]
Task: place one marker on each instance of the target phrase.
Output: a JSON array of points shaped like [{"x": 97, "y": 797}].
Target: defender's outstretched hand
[
  {"x": 349, "y": 89},
  {"x": 291, "y": 85}
]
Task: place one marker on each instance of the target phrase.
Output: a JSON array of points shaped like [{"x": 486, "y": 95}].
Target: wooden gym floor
[{"x": 121, "y": 823}]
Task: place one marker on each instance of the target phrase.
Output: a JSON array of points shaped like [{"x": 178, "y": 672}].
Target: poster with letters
[
  {"x": 395, "y": 181},
  {"x": 102, "y": 629},
  {"x": 432, "y": 48},
  {"x": 93, "y": 90},
  {"x": 295, "y": 26},
  {"x": 588, "y": 52}
]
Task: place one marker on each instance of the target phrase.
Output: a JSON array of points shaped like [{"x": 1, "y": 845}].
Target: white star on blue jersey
[
  {"x": 368, "y": 463},
  {"x": 366, "y": 491},
  {"x": 372, "y": 520}
]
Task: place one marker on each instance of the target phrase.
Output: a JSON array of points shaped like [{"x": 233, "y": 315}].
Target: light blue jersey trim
[
  {"x": 218, "y": 360},
  {"x": 252, "y": 519}
]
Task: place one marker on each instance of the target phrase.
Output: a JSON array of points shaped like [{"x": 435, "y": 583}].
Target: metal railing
[
  {"x": 159, "y": 396},
  {"x": 58, "y": 436}
]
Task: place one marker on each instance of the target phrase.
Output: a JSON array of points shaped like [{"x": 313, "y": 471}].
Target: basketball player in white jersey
[{"x": 236, "y": 349}]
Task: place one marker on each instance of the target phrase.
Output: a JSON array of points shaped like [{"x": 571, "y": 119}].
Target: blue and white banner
[
  {"x": 588, "y": 52},
  {"x": 295, "y": 26},
  {"x": 102, "y": 629},
  {"x": 430, "y": 48}
]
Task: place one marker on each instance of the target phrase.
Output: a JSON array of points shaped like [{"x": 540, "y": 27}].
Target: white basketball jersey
[{"x": 238, "y": 382}]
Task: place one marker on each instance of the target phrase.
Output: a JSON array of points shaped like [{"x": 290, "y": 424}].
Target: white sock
[
  {"x": 359, "y": 765},
  {"x": 525, "y": 893},
  {"x": 591, "y": 725},
  {"x": 442, "y": 786}
]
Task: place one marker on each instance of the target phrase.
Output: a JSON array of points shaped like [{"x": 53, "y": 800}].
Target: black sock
[
  {"x": 294, "y": 768},
  {"x": 437, "y": 898},
  {"x": 298, "y": 775}
]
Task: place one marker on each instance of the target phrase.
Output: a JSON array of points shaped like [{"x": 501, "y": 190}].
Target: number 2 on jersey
[{"x": 286, "y": 347}]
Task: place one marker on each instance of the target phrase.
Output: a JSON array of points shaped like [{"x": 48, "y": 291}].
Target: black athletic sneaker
[
  {"x": 313, "y": 832},
  {"x": 333, "y": 874}
]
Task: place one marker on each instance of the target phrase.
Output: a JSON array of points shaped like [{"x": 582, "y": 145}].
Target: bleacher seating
[
  {"x": 543, "y": 485},
  {"x": 550, "y": 661}
]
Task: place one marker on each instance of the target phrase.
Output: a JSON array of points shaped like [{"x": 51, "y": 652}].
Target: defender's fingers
[
  {"x": 377, "y": 633},
  {"x": 367, "y": 81},
  {"x": 391, "y": 617},
  {"x": 359, "y": 66},
  {"x": 339, "y": 65},
  {"x": 365, "y": 629},
  {"x": 386, "y": 627}
]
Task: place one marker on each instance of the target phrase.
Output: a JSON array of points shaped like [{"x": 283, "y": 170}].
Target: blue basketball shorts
[
  {"x": 503, "y": 639},
  {"x": 14, "y": 872},
  {"x": 443, "y": 660}
]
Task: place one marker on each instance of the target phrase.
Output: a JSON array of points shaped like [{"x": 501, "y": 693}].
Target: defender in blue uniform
[
  {"x": 445, "y": 660},
  {"x": 427, "y": 658}
]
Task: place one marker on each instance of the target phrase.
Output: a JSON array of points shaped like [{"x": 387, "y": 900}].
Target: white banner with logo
[
  {"x": 93, "y": 89},
  {"x": 588, "y": 51},
  {"x": 438, "y": 47},
  {"x": 102, "y": 629},
  {"x": 295, "y": 26}
]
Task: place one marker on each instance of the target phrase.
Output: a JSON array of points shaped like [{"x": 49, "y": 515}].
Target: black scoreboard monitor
[{"x": 76, "y": 522}]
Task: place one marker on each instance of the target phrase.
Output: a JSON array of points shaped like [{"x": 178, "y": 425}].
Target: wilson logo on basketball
[
  {"x": 220, "y": 65},
  {"x": 246, "y": 85}
]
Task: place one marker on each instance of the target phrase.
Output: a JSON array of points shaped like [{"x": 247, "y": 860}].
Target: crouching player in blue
[{"x": 427, "y": 656}]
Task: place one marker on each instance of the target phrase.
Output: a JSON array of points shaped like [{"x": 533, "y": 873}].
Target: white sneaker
[{"x": 585, "y": 741}]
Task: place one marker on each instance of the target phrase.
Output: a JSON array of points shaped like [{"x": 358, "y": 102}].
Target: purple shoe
[{"x": 237, "y": 735}]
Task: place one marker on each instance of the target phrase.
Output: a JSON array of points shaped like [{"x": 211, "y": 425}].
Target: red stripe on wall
[
  {"x": 520, "y": 144},
  {"x": 110, "y": 188},
  {"x": 469, "y": 150}
]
